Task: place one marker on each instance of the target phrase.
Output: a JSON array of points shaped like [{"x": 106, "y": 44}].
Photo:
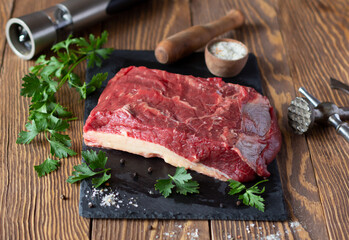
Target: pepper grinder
[{"x": 30, "y": 34}]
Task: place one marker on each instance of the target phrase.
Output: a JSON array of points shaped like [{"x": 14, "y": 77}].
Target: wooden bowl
[{"x": 221, "y": 67}]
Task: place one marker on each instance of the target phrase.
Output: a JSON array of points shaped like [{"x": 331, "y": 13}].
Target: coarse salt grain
[
  {"x": 96, "y": 192},
  {"x": 228, "y": 50},
  {"x": 272, "y": 237},
  {"x": 294, "y": 224},
  {"x": 108, "y": 200},
  {"x": 195, "y": 234}
]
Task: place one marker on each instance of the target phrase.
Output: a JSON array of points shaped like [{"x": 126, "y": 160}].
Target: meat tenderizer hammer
[{"x": 304, "y": 112}]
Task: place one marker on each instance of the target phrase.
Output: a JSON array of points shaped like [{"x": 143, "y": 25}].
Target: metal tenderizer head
[{"x": 300, "y": 115}]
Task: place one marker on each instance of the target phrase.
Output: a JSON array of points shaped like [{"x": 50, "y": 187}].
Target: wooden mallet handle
[{"x": 187, "y": 41}]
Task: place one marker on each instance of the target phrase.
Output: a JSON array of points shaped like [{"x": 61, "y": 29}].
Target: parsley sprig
[
  {"x": 89, "y": 168},
  {"x": 45, "y": 79},
  {"x": 182, "y": 181},
  {"x": 251, "y": 195}
]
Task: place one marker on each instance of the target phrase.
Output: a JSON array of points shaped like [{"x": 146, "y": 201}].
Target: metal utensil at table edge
[
  {"x": 304, "y": 112},
  {"x": 335, "y": 84}
]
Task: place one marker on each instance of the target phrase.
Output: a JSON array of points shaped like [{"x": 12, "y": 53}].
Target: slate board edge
[{"x": 90, "y": 214}]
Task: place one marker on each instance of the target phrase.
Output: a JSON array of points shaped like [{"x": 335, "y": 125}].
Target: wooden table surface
[{"x": 297, "y": 43}]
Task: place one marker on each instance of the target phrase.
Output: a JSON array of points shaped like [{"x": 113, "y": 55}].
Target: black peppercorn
[
  {"x": 122, "y": 161},
  {"x": 150, "y": 170},
  {"x": 62, "y": 197},
  {"x": 90, "y": 205}
]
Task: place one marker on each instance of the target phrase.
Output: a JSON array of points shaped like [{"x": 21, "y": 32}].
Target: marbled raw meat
[{"x": 219, "y": 129}]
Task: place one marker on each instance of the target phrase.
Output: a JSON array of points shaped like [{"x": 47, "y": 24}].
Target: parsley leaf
[
  {"x": 93, "y": 49},
  {"x": 182, "y": 180},
  {"x": 236, "y": 187},
  {"x": 87, "y": 169},
  {"x": 74, "y": 82},
  {"x": 96, "y": 82},
  {"x": 60, "y": 148},
  {"x": 86, "y": 89},
  {"x": 31, "y": 85},
  {"x": 40, "y": 63},
  {"x": 96, "y": 182},
  {"x": 53, "y": 67},
  {"x": 251, "y": 195},
  {"x": 49, "y": 165},
  {"x": 25, "y": 137},
  {"x": 164, "y": 186},
  {"x": 188, "y": 187},
  {"x": 56, "y": 124},
  {"x": 64, "y": 44},
  {"x": 57, "y": 110},
  {"x": 181, "y": 176},
  {"x": 95, "y": 160}
]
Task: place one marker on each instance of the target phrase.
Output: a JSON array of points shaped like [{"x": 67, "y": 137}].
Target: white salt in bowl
[{"x": 225, "y": 57}]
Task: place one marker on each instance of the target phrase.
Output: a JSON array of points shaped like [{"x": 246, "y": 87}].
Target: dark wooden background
[{"x": 297, "y": 42}]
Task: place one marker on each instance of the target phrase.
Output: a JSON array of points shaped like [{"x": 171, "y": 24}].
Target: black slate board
[{"x": 138, "y": 199}]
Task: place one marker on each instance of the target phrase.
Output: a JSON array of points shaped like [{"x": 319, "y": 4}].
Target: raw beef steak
[{"x": 219, "y": 129}]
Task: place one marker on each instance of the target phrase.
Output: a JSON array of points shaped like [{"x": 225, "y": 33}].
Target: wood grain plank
[
  {"x": 319, "y": 49},
  {"x": 258, "y": 230},
  {"x": 5, "y": 13},
  {"x": 142, "y": 28},
  {"x": 30, "y": 207},
  {"x": 262, "y": 35},
  {"x": 150, "y": 229}
]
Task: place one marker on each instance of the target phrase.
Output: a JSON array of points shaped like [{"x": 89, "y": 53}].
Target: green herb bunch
[{"x": 45, "y": 79}]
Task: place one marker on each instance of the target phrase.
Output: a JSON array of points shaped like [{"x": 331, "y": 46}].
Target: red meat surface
[{"x": 222, "y": 127}]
